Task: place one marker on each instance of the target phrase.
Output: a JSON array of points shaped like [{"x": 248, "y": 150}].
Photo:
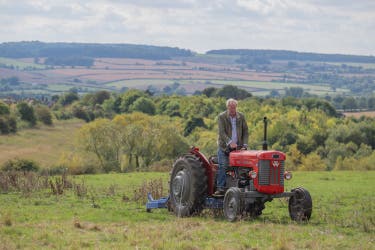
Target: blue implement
[
  {"x": 160, "y": 203},
  {"x": 210, "y": 202}
]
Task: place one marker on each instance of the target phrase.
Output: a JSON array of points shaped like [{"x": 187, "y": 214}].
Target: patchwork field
[{"x": 115, "y": 74}]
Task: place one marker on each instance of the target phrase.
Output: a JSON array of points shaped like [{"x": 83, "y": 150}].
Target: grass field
[
  {"x": 44, "y": 145},
  {"x": 108, "y": 217},
  {"x": 259, "y": 88},
  {"x": 18, "y": 63}
]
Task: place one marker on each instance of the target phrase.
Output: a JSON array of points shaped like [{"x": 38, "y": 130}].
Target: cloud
[{"x": 336, "y": 26}]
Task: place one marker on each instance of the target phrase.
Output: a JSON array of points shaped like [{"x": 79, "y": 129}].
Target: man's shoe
[{"x": 219, "y": 193}]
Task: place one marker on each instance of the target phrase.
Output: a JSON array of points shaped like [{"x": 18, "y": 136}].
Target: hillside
[
  {"x": 44, "y": 145},
  {"x": 46, "y": 69}
]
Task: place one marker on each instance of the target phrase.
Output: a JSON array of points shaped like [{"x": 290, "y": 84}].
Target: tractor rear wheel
[
  {"x": 188, "y": 186},
  {"x": 300, "y": 205},
  {"x": 232, "y": 204}
]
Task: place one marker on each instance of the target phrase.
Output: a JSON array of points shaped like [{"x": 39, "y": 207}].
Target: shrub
[
  {"x": 44, "y": 115},
  {"x": 20, "y": 165},
  {"x": 27, "y": 113},
  {"x": 4, "y": 109},
  {"x": 4, "y": 128}
]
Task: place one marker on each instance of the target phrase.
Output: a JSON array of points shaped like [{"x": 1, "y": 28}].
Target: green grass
[
  {"x": 21, "y": 65},
  {"x": 137, "y": 82},
  {"x": 343, "y": 218},
  {"x": 44, "y": 145}
]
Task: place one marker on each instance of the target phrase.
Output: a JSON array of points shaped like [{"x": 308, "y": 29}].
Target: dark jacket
[{"x": 225, "y": 129}]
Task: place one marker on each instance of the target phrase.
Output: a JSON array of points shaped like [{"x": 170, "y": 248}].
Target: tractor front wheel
[
  {"x": 232, "y": 204},
  {"x": 300, "y": 205},
  {"x": 188, "y": 186}
]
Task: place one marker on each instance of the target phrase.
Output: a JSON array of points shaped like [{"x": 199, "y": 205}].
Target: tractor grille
[{"x": 270, "y": 174}]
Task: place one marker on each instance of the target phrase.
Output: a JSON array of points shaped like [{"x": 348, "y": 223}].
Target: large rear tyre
[
  {"x": 188, "y": 186},
  {"x": 232, "y": 204},
  {"x": 300, "y": 205}
]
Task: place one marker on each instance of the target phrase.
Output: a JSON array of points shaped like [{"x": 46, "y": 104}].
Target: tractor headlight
[
  {"x": 253, "y": 174},
  {"x": 287, "y": 175}
]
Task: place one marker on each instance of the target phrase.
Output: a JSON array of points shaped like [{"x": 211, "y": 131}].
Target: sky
[{"x": 323, "y": 26}]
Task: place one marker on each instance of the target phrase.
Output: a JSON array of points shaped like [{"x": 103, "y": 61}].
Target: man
[{"x": 233, "y": 132}]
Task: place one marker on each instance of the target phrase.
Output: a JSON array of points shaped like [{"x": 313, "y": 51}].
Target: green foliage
[
  {"x": 144, "y": 105},
  {"x": 295, "y": 92},
  {"x": 20, "y": 165},
  {"x": 8, "y": 124},
  {"x": 96, "y": 98},
  {"x": 230, "y": 91},
  {"x": 44, "y": 114},
  {"x": 4, "y": 109},
  {"x": 315, "y": 103},
  {"x": 192, "y": 123},
  {"x": 68, "y": 98},
  {"x": 70, "y": 61},
  {"x": 169, "y": 106},
  {"x": 132, "y": 141},
  {"x": 81, "y": 112},
  {"x": 27, "y": 113},
  {"x": 128, "y": 98}
]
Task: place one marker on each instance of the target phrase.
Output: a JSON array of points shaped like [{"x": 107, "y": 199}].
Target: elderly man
[{"x": 233, "y": 132}]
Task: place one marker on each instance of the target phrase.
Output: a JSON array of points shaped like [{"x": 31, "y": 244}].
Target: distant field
[
  {"x": 20, "y": 64},
  {"x": 114, "y": 74},
  {"x": 106, "y": 215},
  {"x": 45, "y": 145},
  {"x": 255, "y": 87},
  {"x": 359, "y": 114}
]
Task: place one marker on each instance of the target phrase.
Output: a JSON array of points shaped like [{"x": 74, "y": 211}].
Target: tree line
[
  {"x": 135, "y": 130},
  {"x": 35, "y": 49},
  {"x": 287, "y": 55}
]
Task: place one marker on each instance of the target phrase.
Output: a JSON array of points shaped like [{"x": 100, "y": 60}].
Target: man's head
[{"x": 232, "y": 106}]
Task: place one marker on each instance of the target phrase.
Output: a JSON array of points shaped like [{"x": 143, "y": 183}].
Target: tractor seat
[{"x": 213, "y": 159}]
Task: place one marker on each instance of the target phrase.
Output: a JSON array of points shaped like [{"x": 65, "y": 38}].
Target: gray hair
[{"x": 231, "y": 100}]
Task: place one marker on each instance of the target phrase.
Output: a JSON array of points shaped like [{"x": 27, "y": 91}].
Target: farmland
[
  {"x": 117, "y": 74},
  {"x": 108, "y": 215}
]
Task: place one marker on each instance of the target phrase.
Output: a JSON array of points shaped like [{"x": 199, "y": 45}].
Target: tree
[
  {"x": 27, "y": 113},
  {"x": 4, "y": 109},
  {"x": 192, "y": 123},
  {"x": 230, "y": 91},
  {"x": 349, "y": 103},
  {"x": 68, "y": 98},
  {"x": 102, "y": 138},
  {"x": 128, "y": 98},
  {"x": 296, "y": 92},
  {"x": 209, "y": 92},
  {"x": 43, "y": 114},
  {"x": 144, "y": 105},
  {"x": 96, "y": 98},
  {"x": 371, "y": 102}
]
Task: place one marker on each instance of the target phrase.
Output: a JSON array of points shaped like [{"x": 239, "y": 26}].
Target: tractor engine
[{"x": 257, "y": 170}]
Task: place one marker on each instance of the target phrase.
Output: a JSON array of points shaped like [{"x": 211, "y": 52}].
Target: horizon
[
  {"x": 312, "y": 26},
  {"x": 205, "y": 52}
]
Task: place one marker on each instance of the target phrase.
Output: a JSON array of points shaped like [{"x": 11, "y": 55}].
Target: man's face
[{"x": 232, "y": 108}]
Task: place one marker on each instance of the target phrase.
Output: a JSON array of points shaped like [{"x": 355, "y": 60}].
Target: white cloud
[{"x": 336, "y": 26}]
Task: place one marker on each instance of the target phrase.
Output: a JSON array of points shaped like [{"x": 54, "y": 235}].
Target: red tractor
[{"x": 253, "y": 178}]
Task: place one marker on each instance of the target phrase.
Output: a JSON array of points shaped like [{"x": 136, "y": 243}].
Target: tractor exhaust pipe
[{"x": 265, "y": 144}]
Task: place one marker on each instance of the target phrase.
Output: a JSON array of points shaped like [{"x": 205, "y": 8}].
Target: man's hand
[{"x": 233, "y": 145}]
